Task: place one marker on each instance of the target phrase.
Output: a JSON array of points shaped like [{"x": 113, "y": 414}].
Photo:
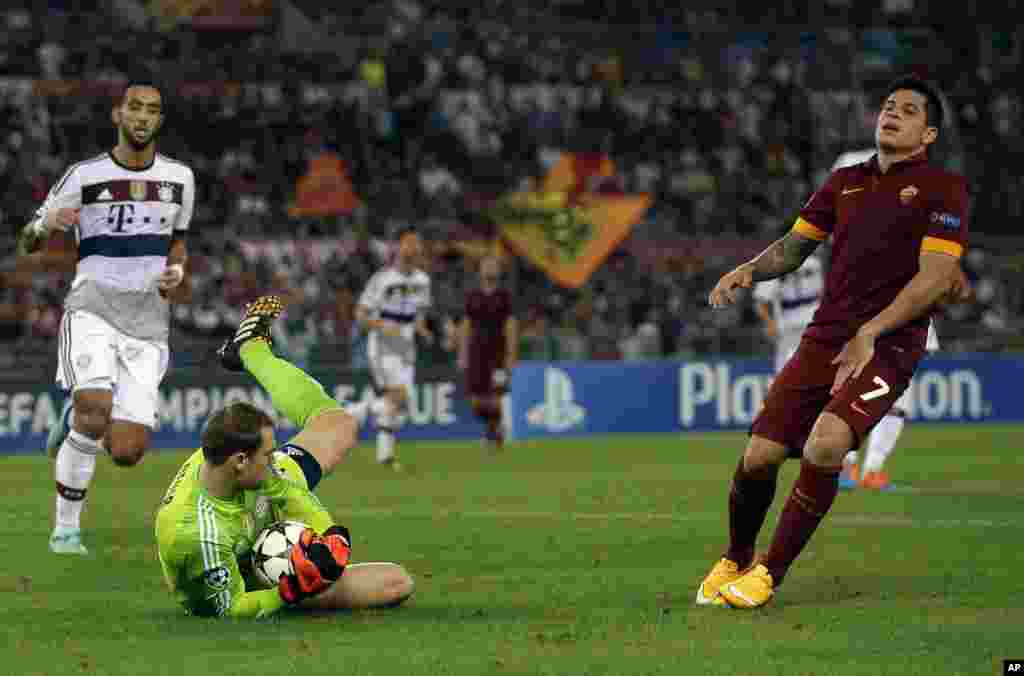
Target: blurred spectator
[{"x": 446, "y": 107}]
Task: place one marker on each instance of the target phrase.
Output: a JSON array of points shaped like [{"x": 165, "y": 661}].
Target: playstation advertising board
[{"x": 578, "y": 398}]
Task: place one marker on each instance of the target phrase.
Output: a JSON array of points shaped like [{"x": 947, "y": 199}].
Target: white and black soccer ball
[{"x": 272, "y": 549}]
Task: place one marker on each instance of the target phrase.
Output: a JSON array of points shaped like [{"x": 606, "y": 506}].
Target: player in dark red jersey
[
  {"x": 899, "y": 228},
  {"x": 488, "y": 347}
]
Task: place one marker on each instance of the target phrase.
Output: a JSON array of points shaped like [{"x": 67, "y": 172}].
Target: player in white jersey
[
  {"x": 127, "y": 211},
  {"x": 787, "y": 304},
  {"x": 392, "y": 308}
]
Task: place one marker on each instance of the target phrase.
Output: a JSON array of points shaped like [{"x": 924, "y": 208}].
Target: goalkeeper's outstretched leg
[{"x": 328, "y": 431}]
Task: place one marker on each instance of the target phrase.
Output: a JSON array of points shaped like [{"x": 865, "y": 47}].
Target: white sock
[
  {"x": 387, "y": 423},
  {"x": 506, "y": 418},
  {"x": 385, "y": 445},
  {"x": 380, "y": 406},
  {"x": 882, "y": 441},
  {"x": 358, "y": 410},
  {"x": 76, "y": 463},
  {"x": 850, "y": 458}
]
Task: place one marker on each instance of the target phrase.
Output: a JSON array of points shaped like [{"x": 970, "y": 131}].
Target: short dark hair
[
  {"x": 140, "y": 82},
  {"x": 233, "y": 429},
  {"x": 933, "y": 102}
]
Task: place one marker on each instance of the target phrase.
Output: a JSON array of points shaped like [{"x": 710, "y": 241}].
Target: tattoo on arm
[{"x": 783, "y": 256}]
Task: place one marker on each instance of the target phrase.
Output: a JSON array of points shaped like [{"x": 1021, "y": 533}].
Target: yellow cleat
[
  {"x": 724, "y": 572},
  {"x": 259, "y": 316},
  {"x": 265, "y": 306},
  {"x": 753, "y": 589}
]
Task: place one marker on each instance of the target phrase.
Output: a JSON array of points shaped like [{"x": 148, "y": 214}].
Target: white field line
[{"x": 1010, "y": 520}]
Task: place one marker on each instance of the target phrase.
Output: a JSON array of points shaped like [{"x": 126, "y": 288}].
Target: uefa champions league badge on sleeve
[{"x": 217, "y": 578}]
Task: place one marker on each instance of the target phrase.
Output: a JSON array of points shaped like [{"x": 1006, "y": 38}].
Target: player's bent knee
[
  {"x": 762, "y": 453},
  {"x": 127, "y": 442},
  {"x": 329, "y": 437},
  {"x": 830, "y": 440},
  {"x": 127, "y": 455},
  {"x": 92, "y": 412}
]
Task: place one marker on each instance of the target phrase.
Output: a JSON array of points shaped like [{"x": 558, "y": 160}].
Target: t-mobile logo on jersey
[{"x": 558, "y": 412}]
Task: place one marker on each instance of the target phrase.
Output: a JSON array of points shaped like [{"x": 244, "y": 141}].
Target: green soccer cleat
[{"x": 259, "y": 317}]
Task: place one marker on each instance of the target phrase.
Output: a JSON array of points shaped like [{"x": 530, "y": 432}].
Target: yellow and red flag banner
[
  {"x": 574, "y": 171},
  {"x": 325, "y": 190},
  {"x": 570, "y": 225},
  {"x": 567, "y": 241},
  {"x": 225, "y": 14}
]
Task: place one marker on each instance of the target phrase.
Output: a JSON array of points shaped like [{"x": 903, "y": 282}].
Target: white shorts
[
  {"x": 92, "y": 354},
  {"x": 785, "y": 347},
  {"x": 903, "y": 403},
  {"x": 393, "y": 371}
]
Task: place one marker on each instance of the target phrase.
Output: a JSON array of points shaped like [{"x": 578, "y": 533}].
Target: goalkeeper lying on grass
[{"x": 240, "y": 482}]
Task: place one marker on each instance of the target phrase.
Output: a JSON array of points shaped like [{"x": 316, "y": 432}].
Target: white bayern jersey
[
  {"x": 400, "y": 298},
  {"x": 127, "y": 219},
  {"x": 794, "y": 297}
]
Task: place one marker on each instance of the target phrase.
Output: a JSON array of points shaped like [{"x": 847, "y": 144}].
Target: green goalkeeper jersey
[{"x": 204, "y": 541}]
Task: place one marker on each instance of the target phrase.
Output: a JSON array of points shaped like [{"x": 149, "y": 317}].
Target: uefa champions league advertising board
[
  {"x": 553, "y": 399},
  {"x": 579, "y": 398},
  {"x": 438, "y": 409}
]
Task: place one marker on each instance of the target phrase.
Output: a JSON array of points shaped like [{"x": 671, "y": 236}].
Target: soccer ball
[{"x": 272, "y": 549}]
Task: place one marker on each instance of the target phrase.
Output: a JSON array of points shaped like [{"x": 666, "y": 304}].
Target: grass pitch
[{"x": 574, "y": 556}]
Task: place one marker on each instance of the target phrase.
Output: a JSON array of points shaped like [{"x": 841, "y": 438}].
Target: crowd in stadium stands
[{"x": 435, "y": 109}]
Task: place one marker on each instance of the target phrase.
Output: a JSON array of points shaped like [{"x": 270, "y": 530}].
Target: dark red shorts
[
  {"x": 480, "y": 375},
  {"x": 800, "y": 392}
]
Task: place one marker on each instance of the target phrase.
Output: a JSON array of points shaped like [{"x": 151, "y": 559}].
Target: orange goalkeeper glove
[{"x": 317, "y": 562}]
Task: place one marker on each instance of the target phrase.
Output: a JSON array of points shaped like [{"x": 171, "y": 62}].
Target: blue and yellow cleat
[
  {"x": 849, "y": 478},
  {"x": 876, "y": 481}
]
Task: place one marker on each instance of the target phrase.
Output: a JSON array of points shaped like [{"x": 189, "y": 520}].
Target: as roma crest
[
  {"x": 908, "y": 194},
  {"x": 137, "y": 190}
]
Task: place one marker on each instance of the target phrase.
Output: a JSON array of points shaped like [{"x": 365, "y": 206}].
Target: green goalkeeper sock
[{"x": 295, "y": 394}]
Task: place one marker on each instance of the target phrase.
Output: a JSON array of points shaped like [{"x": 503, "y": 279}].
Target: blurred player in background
[
  {"x": 881, "y": 441},
  {"x": 787, "y": 304},
  {"x": 488, "y": 348},
  {"x": 899, "y": 228},
  {"x": 393, "y": 309},
  {"x": 128, "y": 211},
  {"x": 240, "y": 482}
]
